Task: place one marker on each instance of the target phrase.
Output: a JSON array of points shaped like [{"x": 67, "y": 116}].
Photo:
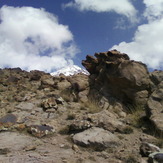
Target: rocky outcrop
[
  {"x": 116, "y": 75},
  {"x": 155, "y": 109}
]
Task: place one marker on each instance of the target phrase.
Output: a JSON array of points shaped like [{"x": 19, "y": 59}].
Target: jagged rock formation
[
  {"x": 46, "y": 118},
  {"x": 118, "y": 76}
]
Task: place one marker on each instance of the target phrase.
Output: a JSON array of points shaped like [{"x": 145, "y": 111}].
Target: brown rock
[
  {"x": 90, "y": 64},
  {"x": 119, "y": 77},
  {"x": 155, "y": 109},
  {"x": 83, "y": 96},
  {"x": 20, "y": 127},
  {"x": 79, "y": 82},
  {"x": 47, "y": 80},
  {"x": 13, "y": 79},
  {"x": 35, "y": 75},
  {"x": 156, "y": 77},
  {"x": 63, "y": 85}
]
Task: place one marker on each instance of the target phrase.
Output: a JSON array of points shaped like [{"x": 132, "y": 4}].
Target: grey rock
[
  {"x": 96, "y": 137},
  {"x": 146, "y": 149},
  {"x": 156, "y": 157},
  {"x": 106, "y": 120},
  {"x": 14, "y": 141},
  {"x": 7, "y": 121},
  {"x": 25, "y": 106}
]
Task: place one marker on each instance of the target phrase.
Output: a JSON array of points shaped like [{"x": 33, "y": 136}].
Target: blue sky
[{"x": 51, "y": 34}]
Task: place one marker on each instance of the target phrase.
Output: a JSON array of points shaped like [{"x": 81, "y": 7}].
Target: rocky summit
[{"x": 112, "y": 115}]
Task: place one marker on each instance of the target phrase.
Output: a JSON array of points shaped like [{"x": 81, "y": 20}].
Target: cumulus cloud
[
  {"x": 123, "y": 7},
  {"x": 33, "y": 39},
  {"x": 148, "y": 39},
  {"x": 154, "y": 9}
]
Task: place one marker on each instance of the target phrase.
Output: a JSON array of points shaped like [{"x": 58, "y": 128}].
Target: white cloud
[
  {"x": 148, "y": 40},
  {"x": 33, "y": 39},
  {"x": 123, "y": 7},
  {"x": 154, "y": 9}
]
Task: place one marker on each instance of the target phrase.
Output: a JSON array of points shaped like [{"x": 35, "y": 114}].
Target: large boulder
[
  {"x": 155, "y": 108},
  {"x": 119, "y": 76},
  {"x": 97, "y": 138}
]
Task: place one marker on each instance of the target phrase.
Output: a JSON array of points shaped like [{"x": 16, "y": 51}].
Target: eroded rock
[{"x": 118, "y": 76}]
